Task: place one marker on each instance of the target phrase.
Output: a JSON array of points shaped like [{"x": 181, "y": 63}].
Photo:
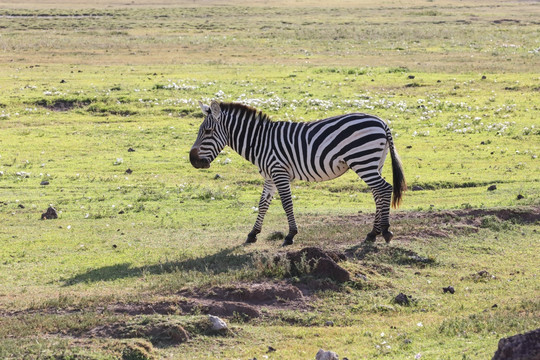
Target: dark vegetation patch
[
  {"x": 63, "y": 104},
  {"x": 317, "y": 262}
]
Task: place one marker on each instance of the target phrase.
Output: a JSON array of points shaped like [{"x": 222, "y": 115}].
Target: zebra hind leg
[{"x": 382, "y": 194}]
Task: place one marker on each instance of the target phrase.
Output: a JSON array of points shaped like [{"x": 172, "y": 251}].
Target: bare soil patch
[{"x": 446, "y": 223}]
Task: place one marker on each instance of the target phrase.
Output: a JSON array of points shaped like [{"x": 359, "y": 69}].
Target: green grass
[{"x": 75, "y": 99}]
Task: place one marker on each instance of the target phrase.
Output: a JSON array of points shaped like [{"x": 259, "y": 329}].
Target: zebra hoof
[
  {"x": 370, "y": 238},
  {"x": 288, "y": 241},
  {"x": 387, "y": 235},
  {"x": 251, "y": 239}
]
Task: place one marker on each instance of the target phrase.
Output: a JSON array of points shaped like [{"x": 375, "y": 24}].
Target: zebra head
[{"x": 211, "y": 138}]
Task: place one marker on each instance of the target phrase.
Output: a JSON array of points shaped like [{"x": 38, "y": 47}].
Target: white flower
[
  {"x": 419, "y": 324},
  {"x": 418, "y": 356}
]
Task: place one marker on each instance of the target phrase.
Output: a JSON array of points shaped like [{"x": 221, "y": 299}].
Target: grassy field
[{"x": 136, "y": 259}]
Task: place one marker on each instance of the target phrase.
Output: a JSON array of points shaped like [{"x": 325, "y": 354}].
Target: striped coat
[{"x": 312, "y": 151}]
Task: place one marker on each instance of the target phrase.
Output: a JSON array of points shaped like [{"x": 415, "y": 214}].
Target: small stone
[
  {"x": 410, "y": 77},
  {"x": 21, "y": 206},
  {"x": 217, "y": 323},
  {"x": 417, "y": 188},
  {"x": 449, "y": 289},
  {"x": 329, "y": 323},
  {"x": 62, "y": 81},
  {"x": 51, "y": 213},
  {"x": 271, "y": 349},
  {"x": 121, "y": 212},
  {"x": 217, "y": 177},
  {"x": 494, "y": 306},
  {"x": 403, "y": 299},
  {"x": 131, "y": 149},
  {"x": 326, "y": 355},
  {"x": 519, "y": 197},
  {"x": 129, "y": 171},
  {"x": 44, "y": 182},
  {"x": 484, "y": 77},
  {"x": 492, "y": 187}
]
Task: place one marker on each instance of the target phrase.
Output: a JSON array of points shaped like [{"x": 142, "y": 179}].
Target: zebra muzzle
[{"x": 197, "y": 161}]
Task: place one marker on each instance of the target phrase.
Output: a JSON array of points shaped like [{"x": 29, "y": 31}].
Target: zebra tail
[{"x": 399, "y": 183}]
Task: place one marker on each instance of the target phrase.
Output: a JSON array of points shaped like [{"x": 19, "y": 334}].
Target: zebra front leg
[
  {"x": 283, "y": 185},
  {"x": 266, "y": 197}
]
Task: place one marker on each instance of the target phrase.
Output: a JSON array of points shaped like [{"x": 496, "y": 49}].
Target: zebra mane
[{"x": 257, "y": 114}]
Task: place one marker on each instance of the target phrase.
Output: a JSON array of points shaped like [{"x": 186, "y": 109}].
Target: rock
[
  {"x": 410, "y": 77},
  {"x": 519, "y": 197},
  {"x": 217, "y": 177},
  {"x": 417, "y": 188},
  {"x": 449, "y": 289},
  {"x": 492, "y": 187},
  {"x": 129, "y": 171},
  {"x": 329, "y": 323},
  {"x": 519, "y": 347},
  {"x": 51, "y": 213},
  {"x": 271, "y": 349},
  {"x": 21, "y": 206},
  {"x": 217, "y": 323},
  {"x": 62, "y": 81},
  {"x": 403, "y": 299},
  {"x": 326, "y": 355},
  {"x": 44, "y": 182},
  {"x": 131, "y": 149},
  {"x": 484, "y": 77}
]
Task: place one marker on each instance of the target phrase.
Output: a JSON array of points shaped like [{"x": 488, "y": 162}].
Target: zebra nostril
[{"x": 194, "y": 157}]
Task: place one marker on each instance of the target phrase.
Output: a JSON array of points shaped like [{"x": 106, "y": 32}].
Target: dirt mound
[
  {"x": 242, "y": 299},
  {"x": 258, "y": 294},
  {"x": 319, "y": 263},
  {"x": 157, "y": 332}
]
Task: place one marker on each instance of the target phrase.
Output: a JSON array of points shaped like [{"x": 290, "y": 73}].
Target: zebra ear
[
  {"x": 205, "y": 108},
  {"x": 216, "y": 110}
]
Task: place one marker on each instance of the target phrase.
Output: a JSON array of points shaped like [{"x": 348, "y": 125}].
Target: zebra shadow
[
  {"x": 389, "y": 254},
  {"x": 225, "y": 260}
]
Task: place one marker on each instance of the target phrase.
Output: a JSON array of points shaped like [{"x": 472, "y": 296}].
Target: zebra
[{"x": 311, "y": 151}]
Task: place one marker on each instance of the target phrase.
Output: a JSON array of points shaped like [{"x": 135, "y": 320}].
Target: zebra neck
[{"x": 247, "y": 131}]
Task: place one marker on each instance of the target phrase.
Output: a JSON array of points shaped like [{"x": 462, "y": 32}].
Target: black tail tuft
[{"x": 400, "y": 185}]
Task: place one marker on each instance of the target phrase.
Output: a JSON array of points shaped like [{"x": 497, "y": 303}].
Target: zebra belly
[{"x": 334, "y": 170}]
